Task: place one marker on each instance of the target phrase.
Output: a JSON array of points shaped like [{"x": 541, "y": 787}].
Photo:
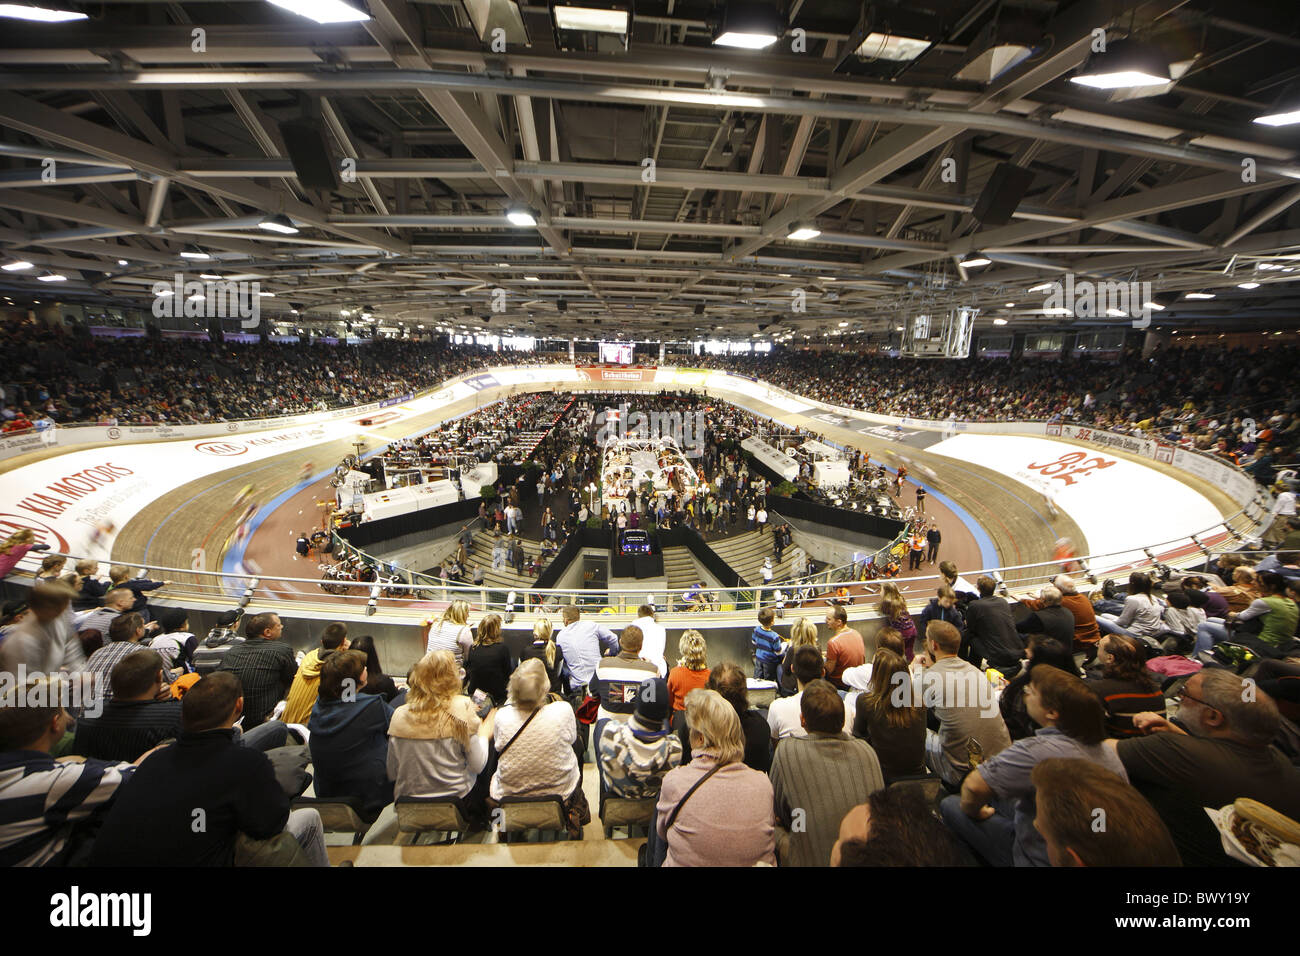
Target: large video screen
[{"x": 619, "y": 353}]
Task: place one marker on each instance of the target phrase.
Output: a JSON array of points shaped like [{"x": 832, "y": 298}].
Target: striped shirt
[
  {"x": 767, "y": 644},
  {"x": 127, "y": 728},
  {"x": 820, "y": 777},
  {"x": 102, "y": 662},
  {"x": 266, "y": 669},
  {"x": 41, "y": 799}
]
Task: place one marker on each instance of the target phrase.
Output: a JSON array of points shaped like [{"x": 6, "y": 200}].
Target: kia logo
[
  {"x": 220, "y": 448},
  {"x": 232, "y": 427},
  {"x": 115, "y": 433},
  {"x": 10, "y": 524}
]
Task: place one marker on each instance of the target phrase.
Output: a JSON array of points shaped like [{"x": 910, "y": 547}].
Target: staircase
[
  {"x": 681, "y": 569},
  {"x": 745, "y": 554},
  {"x": 502, "y": 579}
]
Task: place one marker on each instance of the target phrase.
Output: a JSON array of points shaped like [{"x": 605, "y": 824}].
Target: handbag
[{"x": 587, "y": 711}]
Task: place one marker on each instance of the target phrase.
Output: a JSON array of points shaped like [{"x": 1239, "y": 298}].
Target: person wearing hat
[
  {"x": 209, "y": 655},
  {"x": 634, "y": 755}
]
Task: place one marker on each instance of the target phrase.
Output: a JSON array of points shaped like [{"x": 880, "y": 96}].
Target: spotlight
[
  {"x": 1125, "y": 63},
  {"x": 278, "y": 223},
  {"x": 749, "y": 25}
]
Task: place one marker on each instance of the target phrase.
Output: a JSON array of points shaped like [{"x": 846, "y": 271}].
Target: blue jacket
[
  {"x": 349, "y": 750},
  {"x": 767, "y": 644}
]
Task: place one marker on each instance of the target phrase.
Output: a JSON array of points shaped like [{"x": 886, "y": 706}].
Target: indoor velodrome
[{"x": 658, "y": 434}]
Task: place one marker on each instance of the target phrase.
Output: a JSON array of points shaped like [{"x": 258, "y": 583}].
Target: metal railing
[{"x": 420, "y": 595}]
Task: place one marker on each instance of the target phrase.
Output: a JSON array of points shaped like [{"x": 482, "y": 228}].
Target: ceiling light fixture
[
  {"x": 1125, "y": 63},
  {"x": 195, "y": 255},
  {"x": 1283, "y": 118},
  {"x": 1200, "y": 295},
  {"x": 520, "y": 216},
  {"x": 749, "y": 25},
  {"x": 53, "y": 277},
  {"x": 999, "y": 321},
  {"x": 122, "y": 262},
  {"x": 20, "y": 266},
  {"x": 974, "y": 262},
  {"x": 489, "y": 16},
  {"x": 803, "y": 233},
  {"x": 1247, "y": 285},
  {"x": 22, "y": 11},
  {"x": 323, "y": 11},
  {"x": 279, "y": 223}
]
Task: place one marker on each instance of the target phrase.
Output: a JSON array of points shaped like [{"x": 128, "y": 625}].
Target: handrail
[{"x": 1175, "y": 552}]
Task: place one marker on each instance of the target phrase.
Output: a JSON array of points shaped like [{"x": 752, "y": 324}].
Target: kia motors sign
[{"x": 220, "y": 448}]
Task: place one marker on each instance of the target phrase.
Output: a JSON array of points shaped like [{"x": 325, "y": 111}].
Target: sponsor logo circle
[
  {"x": 115, "y": 433},
  {"x": 9, "y": 524},
  {"x": 220, "y": 448},
  {"x": 232, "y": 427}
]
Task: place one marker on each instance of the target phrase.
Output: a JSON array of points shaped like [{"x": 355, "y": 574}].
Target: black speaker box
[
  {"x": 1002, "y": 194},
  {"x": 310, "y": 155}
]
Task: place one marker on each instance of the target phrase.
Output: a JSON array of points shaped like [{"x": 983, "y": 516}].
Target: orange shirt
[{"x": 681, "y": 681}]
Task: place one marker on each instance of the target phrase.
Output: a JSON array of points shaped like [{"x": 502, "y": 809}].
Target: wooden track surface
[{"x": 201, "y": 514}]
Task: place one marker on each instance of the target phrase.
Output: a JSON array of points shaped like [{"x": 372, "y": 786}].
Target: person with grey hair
[
  {"x": 1050, "y": 618},
  {"x": 714, "y": 811},
  {"x": 534, "y": 735},
  {"x": 1086, "y": 632},
  {"x": 1217, "y": 751}
]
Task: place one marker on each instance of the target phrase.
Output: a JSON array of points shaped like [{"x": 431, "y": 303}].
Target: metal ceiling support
[{"x": 1275, "y": 208}]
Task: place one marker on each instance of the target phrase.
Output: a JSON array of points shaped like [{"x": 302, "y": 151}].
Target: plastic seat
[
  {"x": 336, "y": 816},
  {"x": 622, "y": 812},
  {"x": 420, "y": 815},
  {"x": 545, "y": 815}
]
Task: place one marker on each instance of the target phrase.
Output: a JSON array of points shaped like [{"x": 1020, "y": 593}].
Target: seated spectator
[
  {"x": 1068, "y": 793},
  {"x": 43, "y": 642},
  {"x": 137, "y": 718},
  {"x": 92, "y": 628},
  {"x": 1215, "y": 605},
  {"x": 893, "y": 829},
  {"x": 691, "y": 672},
  {"x": 1218, "y": 751},
  {"x": 1050, "y": 619},
  {"x": 1071, "y": 724},
  {"x": 768, "y": 646},
  {"x": 1142, "y": 615},
  {"x": 784, "y": 715},
  {"x": 1273, "y": 636},
  {"x": 845, "y": 648},
  {"x": 152, "y": 823},
  {"x": 820, "y": 777},
  {"x": 1086, "y": 632},
  {"x": 534, "y": 739},
  {"x": 634, "y": 755},
  {"x": 450, "y": 631},
  {"x": 714, "y": 811},
  {"x": 1241, "y": 592},
  {"x": 1182, "y": 622},
  {"x": 942, "y": 607},
  {"x": 349, "y": 736},
  {"x": 803, "y": 633},
  {"x": 858, "y": 679},
  {"x": 264, "y": 665},
  {"x": 619, "y": 678},
  {"x": 209, "y": 655},
  {"x": 377, "y": 682},
  {"x": 1041, "y": 651},
  {"x": 174, "y": 641},
  {"x": 543, "y": 648},
  {"x": 437, "y": 745},
  {"x": 894, "y": 614},
  {"x": 487, "y": 665},
  {"x": 125, "y": 636},
  {"x": 306, "y": 682},
  {"x": 729, "y": 681},
  {"x": 895, "y": 729},
  {"x": 991, "y": 630},
  {"x": 970, "y": 726},
  {"x": 11, "y": 615},
  {"x": 49, "y": 809}
]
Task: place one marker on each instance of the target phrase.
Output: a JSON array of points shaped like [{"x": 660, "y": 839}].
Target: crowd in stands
[
  {"x": 1202, "y": 397},
  {"x": 1026, "y": 714}
]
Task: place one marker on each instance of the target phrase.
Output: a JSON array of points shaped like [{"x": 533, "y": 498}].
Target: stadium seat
[
  {"x": 620, "y": 812},
  {"x": 543, "y": 815},
  {"x": 421, "y": 815},
  {"x": 337, "y": 816}
]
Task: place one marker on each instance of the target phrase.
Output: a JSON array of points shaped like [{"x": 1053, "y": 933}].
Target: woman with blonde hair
[
  {"x": 544, "y": 649},
  {"x": 692, "y": 671},
  {"x": 714, "y": 811},
  {"x": 893, "y": 609},
  {"x": 890, "y": 717},
  {"x": 803, "y": 633},
  {"x": 1242, "y": 591},
  {"x": 487, "y": 665},
  {"x": 437, "y": 746},
  {"x": 450, "y": 631},
  {"x": 534, "y": 737}
]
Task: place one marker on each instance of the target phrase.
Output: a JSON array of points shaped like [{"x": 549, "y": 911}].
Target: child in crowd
[{"x": 768, "y": 646}]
